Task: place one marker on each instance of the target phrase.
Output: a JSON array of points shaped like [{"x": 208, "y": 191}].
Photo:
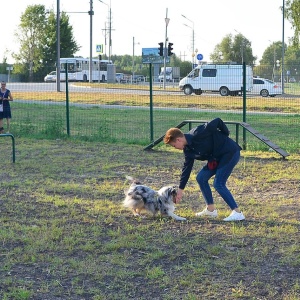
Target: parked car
[
  {"x": 138, "y": 78},
  {"x": 121, "y": 78},
  {"x": 266, "y": 87},
  {"x": 51, "y": 77},
  {"x": 292, "y": 80}
]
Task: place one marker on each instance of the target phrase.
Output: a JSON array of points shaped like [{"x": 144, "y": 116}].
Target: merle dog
[{"x": 140, "y": 197}]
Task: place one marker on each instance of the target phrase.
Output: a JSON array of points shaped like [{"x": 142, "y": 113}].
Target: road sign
[
  {"x": 99, "y": 48},
  {"x": 150, "y": 55},
  {"x": 199, "y": 56}
]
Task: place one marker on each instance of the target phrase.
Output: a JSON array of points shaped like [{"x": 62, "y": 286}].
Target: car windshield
[{"x": 269, "y": 81}]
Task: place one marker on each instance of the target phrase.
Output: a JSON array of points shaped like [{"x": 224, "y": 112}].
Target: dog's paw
[
  {"x": 139, "y": 215},
  {"x": 180, "y": 219}
]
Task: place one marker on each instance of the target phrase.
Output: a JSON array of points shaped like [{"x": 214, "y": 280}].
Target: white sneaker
[
  {"x": 235, "y": 216},
  {"x": 207, "y": 213}
]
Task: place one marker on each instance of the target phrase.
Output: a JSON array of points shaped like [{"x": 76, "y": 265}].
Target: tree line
[{"x": 36, "y": 56}]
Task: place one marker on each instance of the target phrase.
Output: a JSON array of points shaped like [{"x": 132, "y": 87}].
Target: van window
[
  {"x": 194, "y": 73},
  {"x": 209, "y": 72}
]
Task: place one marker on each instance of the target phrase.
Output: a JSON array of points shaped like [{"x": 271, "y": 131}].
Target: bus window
[
  {"x": 85, "y": 65},
  {"x": 71, "y": 67},
  {"x": 78, "y": 66},
  {"x": 103, "y": 66}
]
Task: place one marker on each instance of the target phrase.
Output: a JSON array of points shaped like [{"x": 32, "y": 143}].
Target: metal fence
[{"x": 131, "y": 113}]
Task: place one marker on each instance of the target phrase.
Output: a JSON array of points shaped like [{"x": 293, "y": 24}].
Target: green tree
[
  {"x": 268, "y": 67},
  {"x": 271, "y": 54},
  {"x": 292, "y": 61},
  {"x": 3, "y": 66},
  {"x": 37, "y": 38},
  {"x": 68, "y": 45},
  {"x": 292, "y": 11},
  {"x": 29, "y": 35},
  {"x": 222, "y": 51},
  {"x": 233, "y": 49}
]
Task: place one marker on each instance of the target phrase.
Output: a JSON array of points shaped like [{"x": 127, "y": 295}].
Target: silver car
[
  {"x": 266, "y": 87},
  {"x": 51, "y": 77}
]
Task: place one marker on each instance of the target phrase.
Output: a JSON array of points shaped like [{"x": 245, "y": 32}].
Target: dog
[{"x": 141, "y": 197}]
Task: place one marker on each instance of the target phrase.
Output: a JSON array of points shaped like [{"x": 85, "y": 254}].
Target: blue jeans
[{"x": 221, "y": 177}]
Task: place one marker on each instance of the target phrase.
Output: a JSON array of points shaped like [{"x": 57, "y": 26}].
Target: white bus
[{"x": 78, "y": 69}]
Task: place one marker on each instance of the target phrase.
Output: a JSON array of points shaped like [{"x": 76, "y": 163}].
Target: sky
[{"x": 138, "y": 24}]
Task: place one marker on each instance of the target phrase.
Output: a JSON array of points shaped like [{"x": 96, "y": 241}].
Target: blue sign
[
  {"x": 99, "y": 48},
  {"x": 199, "y": 56},
  {"x": 150, "y": 55}
]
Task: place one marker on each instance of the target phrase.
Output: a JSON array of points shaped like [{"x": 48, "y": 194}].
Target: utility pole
[
  {"x": 282, "y": 58},
  {"x": 109, "y": 30},
  {"x": 167, "y": 20},
  {"x": 58, "y": 46},
  {"x": 193, "y": 38},
  {"x": 109, "y": 35},
  {"x": 133, "y": 44},
  {"x": 91, "y": 13}
]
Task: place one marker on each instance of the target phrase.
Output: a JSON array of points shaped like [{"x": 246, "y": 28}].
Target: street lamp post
[
  {"x": 91, "y": 13},
  {"x": 242, "y": 45},
  {"x": 58, "y": 46},
  {"x": 274, "y": 60},
  {"x": 193, "y": 38},
  {"x": 109, "y": 29},
  {"x": 221, "y": 56},
  {"x": 133, "y": 44},
  {"x": 167, "y": 20},
  {"x": 282, "y": 58}
]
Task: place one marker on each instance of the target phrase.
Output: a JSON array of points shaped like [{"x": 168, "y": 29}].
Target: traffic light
[
  {"x": 161, "y": 49},
  {"x": 170, "y": 48}
]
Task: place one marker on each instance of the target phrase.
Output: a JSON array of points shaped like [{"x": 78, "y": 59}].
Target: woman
[
  {"x": 5, "y": 97},
  {"x": 209, "y": 142}
]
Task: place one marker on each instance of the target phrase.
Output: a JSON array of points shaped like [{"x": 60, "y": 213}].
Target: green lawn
[
  {"x": 132, "y": 125},
  {"x": 64, "y": 233}
]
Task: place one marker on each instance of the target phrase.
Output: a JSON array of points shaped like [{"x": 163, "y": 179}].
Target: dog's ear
[
  {"x": 173, "y": 193},
  {"x": 173, "y": 190}
]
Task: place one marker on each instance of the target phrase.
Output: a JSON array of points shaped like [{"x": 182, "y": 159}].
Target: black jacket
[{"x": 207, "y": 142}]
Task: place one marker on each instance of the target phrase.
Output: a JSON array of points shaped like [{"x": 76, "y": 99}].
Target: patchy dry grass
[
  {"x": 65, "y": 235},
  {"x": 131, "y": 96}
]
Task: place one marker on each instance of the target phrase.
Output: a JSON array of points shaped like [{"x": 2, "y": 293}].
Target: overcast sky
[{"x": 260, "y": 21}]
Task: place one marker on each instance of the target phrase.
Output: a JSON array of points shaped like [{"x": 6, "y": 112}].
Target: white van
[{"x": 225, "y": 79}]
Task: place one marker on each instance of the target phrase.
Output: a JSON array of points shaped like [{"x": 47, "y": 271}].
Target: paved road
[{"x": 51, "y": 87}]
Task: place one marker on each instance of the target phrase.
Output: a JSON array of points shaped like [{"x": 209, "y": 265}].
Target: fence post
[
  {"x": 13, "y": 145},
  {"x": 151, "y": 103},
  {"x": 244, "y": 105},
  {"x": 67, "y": 101}
]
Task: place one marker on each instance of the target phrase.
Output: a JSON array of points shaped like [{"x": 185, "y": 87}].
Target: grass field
[
  {"x": 64, "y": 233},
  {"x": 132, "y": 125},
  {"x": 115, "y": 115}
]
